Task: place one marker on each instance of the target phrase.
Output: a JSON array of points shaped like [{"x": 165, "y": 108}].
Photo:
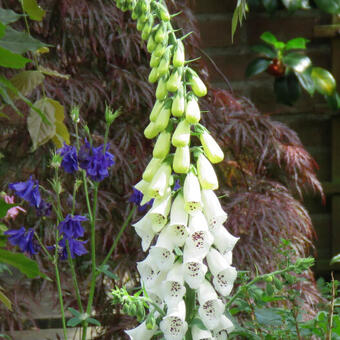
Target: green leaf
[
  {"x": 2, "y": 29},
  {"x": 93, "y": 321},
  {"x": 12, "y": 60},
  {"x": 27, "y": 266},
  {"x": 19, "y": 42},
  {"x": 7, "y": 16},
  {"x": 238, "y": 15},
  {"x": 335, "y": 259},
  {"x": 5, "y": 336},
  {"x": 4, "y": 207},
  {"x": 323, "y": 80},
  {"x": 270, "y": 5},
  {"x": 269, "y": 38},
  {"x": 292, "y": 5},
  {"x": 329, "y": 6},
  {"x": 5, "y": 300},
  {"x": 74, "y": 322},
  {"x": 27, "y": 81},
  {"x": 265, "y": 50},
  {"x": 257, "y": 66},
  {"x": 105, "y": 270},
  {"x": 34, "y": 11},
  {"x": 52, "y": 73},
  {"x": 40, "y": 131},
  {"x": 334, "y": 101},
  {"x": 306, "y": 81},
  {"x": 268, "y": 316},
  {"x": 297, "y": 43},
  {"x": 287, "y": 89},
  {"x": 298, "y": 62},
  {"x": 7, "y": 99},
  {"x": 74, "y": 312}
]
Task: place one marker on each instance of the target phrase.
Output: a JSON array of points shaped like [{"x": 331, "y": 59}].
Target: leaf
[
  {"x": 269, "y": 38},
  {"x": 40, "y": 131},
  {"x": 306, "y": 81},
  {"x": 297, "y": 43},
  {"x": 52, "y": 73},
  {"x": 334, "y": 101},
  {"x": 93, "y": 321},
  {"x": 287, "y": 89},
  {"x": 292, "y": 5},
  {"x": 335, "y": 259},
  {"x": 27, "y": 266},
  {"x": 5, "y": 300},
  {"x": 4, "y": 207},
  {"x": 268, "y": 316},
  {"x": 2, "y": 29},
  {"x": 19, "y": 42},
  {"x": 298, "y": 62},
  {"x": 12, "y": 60},
  {"x": 7, "y": 16},
  {"x": 74, "y": 322},
  {"x": 27, "y": 81},
  {"x": 265, "y": 50},
  {"x": 74, "y": 312},
  {"x": 104, "y": 270},
  {"x": 34, "y": 11},
  {"x": 270, "y": 5},
  {"x": 238, "y": 15},
  {"x": 329, "y": 6},
  {"x": 7, "y": 99},
  {"x": 61, "y": 135},
  {"x": 323, "y": 80},
  {"x": 257, "y": 66}
]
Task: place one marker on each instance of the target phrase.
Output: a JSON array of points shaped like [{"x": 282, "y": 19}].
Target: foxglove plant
[{"x": 183, "y": 230}]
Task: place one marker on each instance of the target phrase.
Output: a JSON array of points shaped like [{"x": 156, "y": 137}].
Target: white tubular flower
[
  {"x": 206, "y": 173},
  {"x": 141, "y": 332},
  {"x": 201, "y": 334},
  {"x": 200, "y": 239},
  {"x": 173, "y": 324},
  {"x": 224, "y": 274},
  {"x": 160, "y": 211},
  {"x": 151, "y": 169},
  {"x": 143, "y": 187},
  {"x": 224, "y": 327},
  {"x": 211, "y": 307},
  {"x": 194, "y": 271},
  {"x": 223, "y": 240},
  {"x": 173, "y": 288},
  {"x": 212, "y": 209},
  {"x": 162, "y": 254},
  {"x": 192, "y": 194},
  {"x": 144, "y": 230},
  {"x": 229, "y": 257},
  {"x": 160, "y": 182},
  {"x": 150, "y": 274},
  {"x": 211, "y": 148}
]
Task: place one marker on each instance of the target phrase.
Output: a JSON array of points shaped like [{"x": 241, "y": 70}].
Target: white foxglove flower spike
[
  {"x": 150, "y": 274},
  {"x": 144, "y": 230},
  {"x": 151, "y": 169},
  {"x": 212, "y": 209},
  {"x": 160, "y": 211},
  {"x": 192, "y": 194},
  {"x": 194, "y": 271},
  {"x": 223, "y": 240},
  {"x": 206, "y": 173},
  {"x": 141, "y": 332},
  {"x": 160, "y": 182},
  {"x": 162, "y": 254},
  {"x": 224, "y": 327},
  {"x": 201, "y": 334},
  {"x": 143, "y": 187}
]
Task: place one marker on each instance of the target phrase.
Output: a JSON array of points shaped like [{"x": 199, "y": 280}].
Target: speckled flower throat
[{"x": 187, "y": 272}]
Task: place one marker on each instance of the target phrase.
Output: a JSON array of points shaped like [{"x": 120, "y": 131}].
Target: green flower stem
[
  {"x": 120, "y": 233},
  {"x": 106, "y": 136},
  {"x": 74, "y": 198},
  {"x": 190, "y": 304},
  {"x": 43, "y": 247}
]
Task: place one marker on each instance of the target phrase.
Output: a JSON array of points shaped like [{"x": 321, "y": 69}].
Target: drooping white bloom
[
  {"x": 173, "y": 324},
  {"x": 224, "y": 274},
  {"x": 194, "y": 271},
  {"x": 229, "y": 257},
  {"x": 212, "y": 209},
  {"x": 223, "y": 240},
  {"x": 150, "y": 274},
  {"x": 173, "y": 288},
  {"x": 162, "y": 254},
  {"x": 206, "y": 173},
  {"x": 201, "y": 334},
  {"x": 143, "y": 187},
  {"x": 224, "y": 327},
  {"x": 151, "y": 169},
  {"x": 144, "y": 230},
  {"x": 141, "y": 332},
  {"x": 178, "y": 216},
  {"x": 160, "y": 181},
  {"x": 211, "y": 307},
  {"x": 160, "y": 211},
  {"x": 192, "y": 194},
  {"x": 176, "y": 233}
]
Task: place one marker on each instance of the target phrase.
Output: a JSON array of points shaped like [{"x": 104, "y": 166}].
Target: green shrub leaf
[
  {"x": 297, "y": 43},
  {"x": 329, "y": 6},
  {"x": 306, "y": 81},
  {"x": 12, "y": 60},
  {"x": 298, "y": 62},
  {"x": 7, "y": 16},
  {"x": 27, "y": 81},
  {"x": 257, "y": 66},
  {"x": 323, "y": 80},
  {"x": 5, "y": 300},
  {"x": 269, "y": 38},
  {"x": 265, "y": 50},
  {"x": 34, "y": 11}
]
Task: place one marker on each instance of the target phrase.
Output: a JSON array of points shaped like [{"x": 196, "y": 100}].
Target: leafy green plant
[{"x": 292, "y": 70}]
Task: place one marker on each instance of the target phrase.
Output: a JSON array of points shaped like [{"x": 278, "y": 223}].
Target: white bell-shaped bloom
[
  {"x": 143, "y": 187},
  {"x": 224, "y": 274},
  {"x": 173, "y": 324},
  {"x": 178, "y": 216},
  {"x": 151, "y": 169},
  {"x": 206, "y": 173},
  {"x": 173, "y": 288},
  {"x": 177, "y": 233},
  {"x": 223, "y": 240},
  {"x": 160, "y": 211},
  {"x": 162, "y": 254},
  {"x": 144, "y": 230},
  {"x": 224, "y": 327},
  {"x": 192, "y": 194},
  {"x": 212, "y": 209},
  {"x": 154, "y": 295},
  {"x": 201, "y": 334},
  {"x": 149, "y": 272},
  {"x": 194, "y": 271},
  {"x": 141, "y": 332},
  {"x": 211, "y": 307},
  {"x": 160, "y": 181},
  {"x": 229, "y": 257}
]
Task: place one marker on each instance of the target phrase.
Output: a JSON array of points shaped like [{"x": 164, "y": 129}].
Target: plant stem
[
  {"x": 295, "y": 312},
  {"x": 331, "y": 311},
  {"x": 120, "y": 233},
  {"x": 60, "y": 294},
  {"x": 43, "y": 247}
]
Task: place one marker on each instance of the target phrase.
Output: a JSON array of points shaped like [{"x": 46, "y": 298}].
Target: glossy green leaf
[
  {"x": 269, "y": 38},
  {"x": 27, "y": 81},
  {"x": 74, "y": 322},
  {"x": 93, "y": 321},
  {"x": 32, "y": 8},
  {"x": 12, "y": 60},
  {"x": 7, "y": 16},
  {"x": 265, "y": 50},
  {"x": 287, "y": 89},
  {"x": 74, "y": 312},
  {"x": 334, "y": 101},
  {"x": 19, "y": 42},
  {"x": 5, "y": 300},
  {"x": 292, "y": 5},
  {"x": 2, "y": 29},
  {"x": 323, "y": 80},
  {"x": 335, "y": 259},
  {"x": 298, "y": 62},
  {"x": 4, "y": 207},
  {"x": 26, "y": 265},
  {"x": 306, "y": 81},
  {"x": 297, "y": 43},
  {"x": 329, "y": 6},
  {"x": 238, "y": 15},
  {"x": 257, "y": 66}
]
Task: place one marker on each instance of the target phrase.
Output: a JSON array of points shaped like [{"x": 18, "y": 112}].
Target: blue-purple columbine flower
[
  {"x": 76, "y": 248},
  {"x": 71, "y": 226},
  {"x": 23, "y": 239},
  {"x": 137, "y": 197},
  {"x": 95, "y": 161},
  {"x": 44, "y": 209},
  {"x": 28, "y": 190},
  {"x": 70, "y": 159},
  {"x": 177, "y": 185}
]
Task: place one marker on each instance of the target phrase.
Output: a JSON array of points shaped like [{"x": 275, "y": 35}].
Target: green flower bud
[
  {"x": 147, "y": 28},
  {"x": 140, "y": 310},
  {"x": 161, "y": 33},
  {"x": 175, "y": 80},
  {"x": 140, "y": 24},
  {"x": 162, "y": 146},
  {"x": 164, "y": 64},
  {"x": 150, "y": 321},
  {"x": 161, "y": 48},
  {"x": 161, "y": 91},
  {"x": 196, "y": 83},
  {"x": 211, "y": 149},
  {"x": 153, "y": 76},
  {"x": 269, "y": 289},
  {"x": 181, "y": 162},
  {"x": 126, "y": 308},
  {"x": 151, "y": 44},
  {"x": 179, "y": 56},
  {"x": 151, "y": 131},
  {"x": 162, "y": 120},
  {"x": 154, "y": 61},
  {"x": 151, "y": 169},
  {"x": 156, "y": 110},
  {"x": 192, "y": 110},
  {"x": 277, "y": 283},
  {"x": 178, "y": 104},
  {"x": 181, "y": 136},
  {"x": 163, "y": 12},
  {"x": 132, "y": 310}
]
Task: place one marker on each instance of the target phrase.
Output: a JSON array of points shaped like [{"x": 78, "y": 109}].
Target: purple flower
[
  {"x": 71, "y": 226},
  {"x": 23, "y": 239},
  {"x": 70, "y": 159},
  {"x": 177, "y": 185},
  {"x": 28, "y": 190},
  {"x": 76, "y": 248},
  {"x": 137, "y": 197},
  {"x": 95, "y": 161}
]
